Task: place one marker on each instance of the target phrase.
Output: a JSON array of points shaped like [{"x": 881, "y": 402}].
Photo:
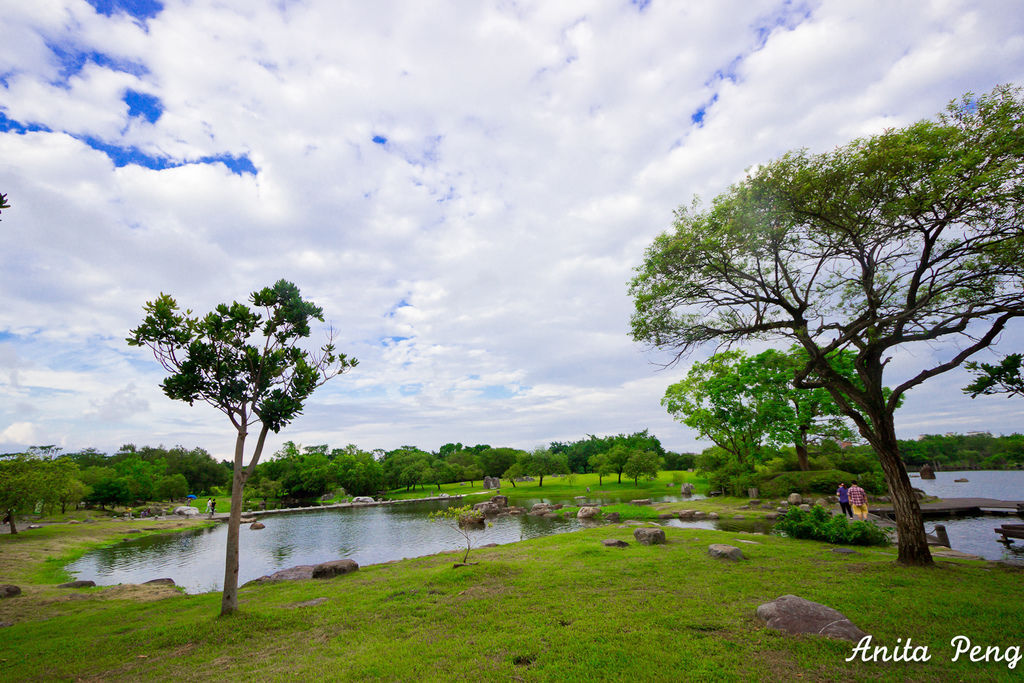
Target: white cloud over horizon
[{"x": 463, "y": 187}]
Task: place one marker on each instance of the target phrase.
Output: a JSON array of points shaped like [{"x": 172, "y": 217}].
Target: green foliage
[
  {"x": 3, "y": 202},
  {"x": 820, "y": 525},
  {"x": 642, "y": 463},
  {"x": 1003, "y": 378},
  {"x": 823, "y": 482},
  {"x": 971, "y": 451},
  {"x": 463, "y": 519}
]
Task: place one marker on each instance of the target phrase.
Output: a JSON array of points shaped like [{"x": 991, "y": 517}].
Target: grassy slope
[{"x": 562, "y": 607}]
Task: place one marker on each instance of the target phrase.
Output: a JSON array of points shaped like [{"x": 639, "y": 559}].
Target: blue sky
[{"x": 463, "y": 187}]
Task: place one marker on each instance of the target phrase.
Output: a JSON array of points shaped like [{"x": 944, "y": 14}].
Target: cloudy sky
[{"x": 464, "y": 187}]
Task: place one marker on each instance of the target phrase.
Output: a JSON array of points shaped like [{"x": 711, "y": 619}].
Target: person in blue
[{"x": 844, "y": 499}]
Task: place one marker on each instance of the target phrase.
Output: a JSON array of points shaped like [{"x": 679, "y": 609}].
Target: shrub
[
  {"x": 820, "y": 525},
  {"x": 824, "y": 482}
]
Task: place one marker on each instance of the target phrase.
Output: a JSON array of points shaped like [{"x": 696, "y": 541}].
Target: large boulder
[
  {"x": 927, "y": 472},
  {"x": 326, "y": 570},
  {"x": 649, "y": 535},
  {"x": 185, "y": 511},
  {"x": 487, "y": 507},
  {"x": 588, "y": 512},
  {"x": 793, "y": 614},
  {"x": 77, "y": 584},
  {"x": 795, "y": 499},
  {"x": 500, "y": 501},
  {"x": 686, "y": 489},
  {"x": 362, "y": 500},
  {"x": 725, "y": 552},
  {"x": 9, "y": 590}
]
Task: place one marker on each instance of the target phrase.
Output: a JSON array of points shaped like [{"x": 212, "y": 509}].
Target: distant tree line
[{"x": 965, "y": 451}]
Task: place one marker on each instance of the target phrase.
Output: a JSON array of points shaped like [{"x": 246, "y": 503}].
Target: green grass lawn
[{"x": 559, "y": 608}]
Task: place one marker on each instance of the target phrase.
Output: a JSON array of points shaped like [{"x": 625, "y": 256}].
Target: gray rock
[
  {"x": 649, "y": 535},
  {"x": 500, "y": 501},
  {"x": 77, "y": 584},
  {"x": 845, "y": 551},
  {"x": 712, "y": 515},
  {"x": 587, "y": 512},
  {"x": 614, "y": 543},
  {"x": 726, "y": 552},
  {"x": 793, "y": 614},
  {"x": 612, "y": 516},
  {"x": 738, "y": 517},
  {"x": 699, "y": 514},
  {"x": 771, "y": 515},
  {"x": 821, "y": 502},
  {"x": 256, "y": 526},
  {"x": 162, "y": 582},
  {"x": 299, "y": 573},
  {"x": 805, "y": 507},
  {"x": 755, "y": 501},
  {"x": 362, "y": 500},
  {"x": 795, "y": 499},
  {"x": 668, "y": 515},
  {"x": 327, "y": 570},
  {"x": 183, "y": 511},
  {"x": 687, "y": 514},
  {"x": 686, "y": 489},
  {"x": 9, "y": 590},
  {"x": 487, "y": 507},
  {"x": 640, "y": 501}
]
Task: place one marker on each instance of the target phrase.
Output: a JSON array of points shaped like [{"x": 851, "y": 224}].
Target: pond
[{"x": 368, "y": 535}]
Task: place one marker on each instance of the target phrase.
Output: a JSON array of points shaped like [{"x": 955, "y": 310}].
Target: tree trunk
[
  {"x": 801, "y": 450},
  {"x": 912, "y": 542},
  {"x": 10, "y": 521},
  {"x": 229, "y": 598}
]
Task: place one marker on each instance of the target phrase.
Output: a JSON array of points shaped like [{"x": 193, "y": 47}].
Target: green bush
[
  {"x": 824, "y": 482},
  {"x": 820, "y": 525}
]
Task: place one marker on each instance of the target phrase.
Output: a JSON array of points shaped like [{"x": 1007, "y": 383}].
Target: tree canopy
[
  {"x": 1005, "y": 377},
  {"x": 910, "y": 236}
]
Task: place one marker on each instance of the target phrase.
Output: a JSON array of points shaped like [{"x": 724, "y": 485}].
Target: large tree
[
  {"x": 247, "y": 363},
  {"x": 910, "y": 237}
]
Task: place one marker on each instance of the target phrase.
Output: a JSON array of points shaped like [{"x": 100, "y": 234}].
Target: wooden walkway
[{"x": 960, "y": 507}]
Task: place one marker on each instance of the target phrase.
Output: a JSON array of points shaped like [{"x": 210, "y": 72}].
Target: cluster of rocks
[
  {"x": 686, "y": 489},
  {"x": 492, "y": 482},
  {"x": 324, "y": 570}
]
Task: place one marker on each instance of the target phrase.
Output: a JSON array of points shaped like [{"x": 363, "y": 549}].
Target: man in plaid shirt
[{"x": 858, "y": 501}]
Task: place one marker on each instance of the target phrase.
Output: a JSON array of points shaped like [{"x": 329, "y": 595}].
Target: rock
[
  {"x": 161, "y": 582},
  {"x": 640, "y": 501},
  {"x": 256, "y": 526},
  {"x": 726, "y": 552},
  {"x": 805, "y": 507},
  {"x": 960, "y": 480},
  {"x": 612, "y": 516},
  {"x": 845, "y": 551},
  {"x": 587, "y": 512},
  {"x": 687, "y": 514},
  {"x": 183, "y": 511},
  {"x": 487, "y": 508},
  {"x": 73, "y": 521},
  {"x": 362, "y": 500},
  {"x": 540, "y": 509},
  {"x": 686, "y": 489},
  {"x": 472, "y": 519},
  {"x": 795, "y": 499},
  {"x": 299, "y": 573},
  {"x": 699, "y": 514},
  {"x": 668, "y": 515},
  {"x": 516, "y": 510},
  {"x": 821, "y": 503},
  {"x": 557, "y": 506},
  {"x": 327, "y": 570},
  {"x": 614, "y": 543},
  {"x": 77, "y": 584},
  {"x": 754, "y": 501},
  {"x": 793, "y": 614},
  {"x": 743, "y": 507},
  {"x": 500, "y": 501},
  {"x": 9, "y": 590},
  {"x": 440, "y": 495},
  {"x": 133, "y": 531},
  {"x": 927, "y": 472},
  {"x": 649, "y": 535},
  {"x": 771, "y": 515},
  {"x": 40, "y": 526},
  {"x": 551, "y": 515},
  {"x": 712, "y": 515},
  {"x": 246, "y": 520}
]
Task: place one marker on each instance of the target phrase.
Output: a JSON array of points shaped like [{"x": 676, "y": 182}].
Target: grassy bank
[{"x": 563, "y": 607}]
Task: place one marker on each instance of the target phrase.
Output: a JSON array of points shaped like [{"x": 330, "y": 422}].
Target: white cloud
[{"x": 475, "y": 257}]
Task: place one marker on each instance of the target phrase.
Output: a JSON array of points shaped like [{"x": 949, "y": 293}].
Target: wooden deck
[
  {"x": 960, "y": 507},
  {"x": 1010, "y": 531}
]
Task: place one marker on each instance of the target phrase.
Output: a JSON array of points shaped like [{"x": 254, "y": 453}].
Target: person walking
[
  {"x": 209, "y": 507},
  {"x": 844, "y": 500},
  {"x": 859, "y": 501}
]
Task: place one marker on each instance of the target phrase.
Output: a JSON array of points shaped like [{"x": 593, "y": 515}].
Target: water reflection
[{"x": 371, "y": 535}]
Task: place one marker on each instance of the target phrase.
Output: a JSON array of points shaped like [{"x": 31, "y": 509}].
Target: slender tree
[
  {"x": 908, "y": 237},
  {"x": 248, "y": 364}
]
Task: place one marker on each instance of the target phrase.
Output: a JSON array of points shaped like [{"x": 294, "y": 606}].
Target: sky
[{"x": 465, "y": 189}]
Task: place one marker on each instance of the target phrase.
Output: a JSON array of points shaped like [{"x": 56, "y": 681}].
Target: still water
[
  {"x": 976, "y": 535},
  {"x": 373, "y": 535}
]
